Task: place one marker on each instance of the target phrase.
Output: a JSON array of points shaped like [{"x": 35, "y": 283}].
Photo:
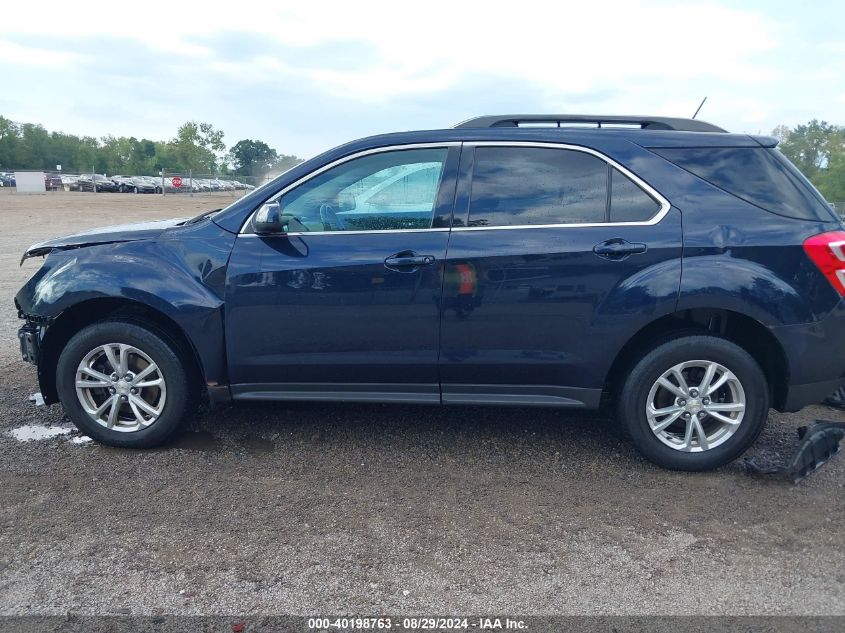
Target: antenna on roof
[{"x": 699, "y": 107}]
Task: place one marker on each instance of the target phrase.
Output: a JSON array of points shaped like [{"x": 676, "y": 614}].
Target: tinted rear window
[{"x": 756, "y": 175}]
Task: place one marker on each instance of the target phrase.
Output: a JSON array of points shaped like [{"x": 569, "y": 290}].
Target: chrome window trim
[{"x": 665, "y": 205}]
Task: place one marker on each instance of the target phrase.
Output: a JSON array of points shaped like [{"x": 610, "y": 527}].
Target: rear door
[
  {"x": 557, "y": 255},
  {"x": 345, "y": 304}
]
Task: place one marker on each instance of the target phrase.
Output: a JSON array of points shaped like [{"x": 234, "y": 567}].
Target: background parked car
[
  {"x": 88, "y": 182},
  {"x": 70, "y": 183},
  {"x": 123, "y": 183},
  {"x": 7, "y": 179},
  {"x": 53, "y": 182},
  {"x": 133, "y": 184},
  {"x": 141, "y": 185},
  {"x": 155, "y": 182}
]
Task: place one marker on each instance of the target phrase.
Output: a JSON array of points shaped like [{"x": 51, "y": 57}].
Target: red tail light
[{"x": 827, "y": 251}]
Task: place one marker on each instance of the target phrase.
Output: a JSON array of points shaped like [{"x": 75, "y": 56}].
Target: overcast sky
[{"x": 305, "y": 76}]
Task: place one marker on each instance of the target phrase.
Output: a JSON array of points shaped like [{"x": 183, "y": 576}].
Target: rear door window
[{"x": 523, "y": 186}]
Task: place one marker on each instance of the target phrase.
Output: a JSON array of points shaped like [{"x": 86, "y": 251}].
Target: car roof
[{"x": 574, "y": 135}]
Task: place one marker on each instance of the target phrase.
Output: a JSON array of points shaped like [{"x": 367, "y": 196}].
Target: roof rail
[{"x": 560, "y": 120}]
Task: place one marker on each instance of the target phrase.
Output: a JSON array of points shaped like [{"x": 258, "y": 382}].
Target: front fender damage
[
  {"x": 43, "y": 251},
  {"x": 177, "y": 282}
]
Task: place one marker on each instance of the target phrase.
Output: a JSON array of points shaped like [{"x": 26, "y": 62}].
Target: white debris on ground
[
  {"x": 30, "y": 432},
  {"x": 81, "y": 439}
]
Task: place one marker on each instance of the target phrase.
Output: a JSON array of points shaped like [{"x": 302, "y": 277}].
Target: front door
[{"x": 345, "y": 304}]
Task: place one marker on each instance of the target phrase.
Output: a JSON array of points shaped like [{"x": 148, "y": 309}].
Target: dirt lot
[{"x": 367, "y": 509}]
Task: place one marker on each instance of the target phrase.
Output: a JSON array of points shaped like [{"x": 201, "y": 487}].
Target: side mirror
[{"x": 268, "y": 219}]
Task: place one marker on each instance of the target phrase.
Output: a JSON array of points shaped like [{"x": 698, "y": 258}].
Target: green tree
[
  {"x": 33, "y": 150},
  {"x": 817, "y": 148},
  {"x": 252, "y": 158},
  {"x": 285, "y": 162},
  {"x": 831, "y": 180},
  {"x": 197, "y": 146},
  {"x": 9, "y": 138},
  {"x": 807, "y": 146}
]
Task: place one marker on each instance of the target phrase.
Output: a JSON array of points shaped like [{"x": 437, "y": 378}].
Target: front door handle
[
  {"x": 618, "y": 248},
  {"x": 408, "y": 261}
]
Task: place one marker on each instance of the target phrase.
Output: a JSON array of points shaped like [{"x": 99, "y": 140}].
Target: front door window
[{"x": 386, "y": 191}]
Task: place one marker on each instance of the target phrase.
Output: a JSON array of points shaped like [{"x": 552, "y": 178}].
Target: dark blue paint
[
  {"x": 325, "y": 308},
  {"x": 549, "y": 311},
  {"x": 533, "y": 311}
]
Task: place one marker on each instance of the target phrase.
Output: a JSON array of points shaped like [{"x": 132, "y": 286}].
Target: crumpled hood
[{"x": 103, "y": 235}]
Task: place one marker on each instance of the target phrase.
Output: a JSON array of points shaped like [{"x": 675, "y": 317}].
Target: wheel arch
[
  {"x": 91, "y": 311},
  {"x": 744, "y": 331}
]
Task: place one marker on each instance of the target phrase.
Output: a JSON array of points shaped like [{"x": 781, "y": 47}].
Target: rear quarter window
[
  {"x": 760, "y": 176},
  {"x": 629, "y": 203}
]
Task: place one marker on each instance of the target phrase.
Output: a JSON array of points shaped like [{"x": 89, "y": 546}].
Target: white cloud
[
  {"x": 563, "y": 47},
  {"x": 400, "y": 66},
  {"x": 18, "y": 55}
]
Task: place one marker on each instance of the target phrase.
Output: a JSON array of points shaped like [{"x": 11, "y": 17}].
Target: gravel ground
[{"x": 371, "y": 509}]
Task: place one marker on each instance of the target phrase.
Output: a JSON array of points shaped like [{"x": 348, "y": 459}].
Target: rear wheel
[
  {"x": 123, "y": 384},
  {"x": 694, "y": 403}
]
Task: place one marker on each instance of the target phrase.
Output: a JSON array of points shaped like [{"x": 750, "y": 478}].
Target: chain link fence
[
  {"x": 167, "y": 182},
  {"x": 193, "y": 184}
]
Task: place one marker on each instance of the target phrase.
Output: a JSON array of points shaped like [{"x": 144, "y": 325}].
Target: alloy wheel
[
  {"x": 120, "y": 387},
  {"x": 695, "y": 406}
]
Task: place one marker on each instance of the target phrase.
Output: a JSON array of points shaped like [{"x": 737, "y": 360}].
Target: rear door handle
[
  {"x": 618, "y": 248},
  {"x": 408, "y": 261}
]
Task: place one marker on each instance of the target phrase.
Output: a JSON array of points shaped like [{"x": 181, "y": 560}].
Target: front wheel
[
  {"x": 123, "y": 384},
  {"x": 694, "y": 403}
]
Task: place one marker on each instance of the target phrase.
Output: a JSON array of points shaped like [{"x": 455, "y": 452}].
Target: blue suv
[{"x": 690, "y": 277}]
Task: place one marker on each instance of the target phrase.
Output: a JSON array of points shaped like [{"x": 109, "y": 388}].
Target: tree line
[
  {"x": 817, "y": 148},
  {"x": 197, "y": 146}
]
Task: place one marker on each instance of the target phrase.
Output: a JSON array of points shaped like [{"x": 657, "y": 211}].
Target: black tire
[
  {"x": 163, "y": 353},
  {"x": 633, "y": 400}
]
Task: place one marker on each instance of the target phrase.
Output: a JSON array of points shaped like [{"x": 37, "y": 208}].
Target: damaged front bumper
[{"x": 30, "y": 336}]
